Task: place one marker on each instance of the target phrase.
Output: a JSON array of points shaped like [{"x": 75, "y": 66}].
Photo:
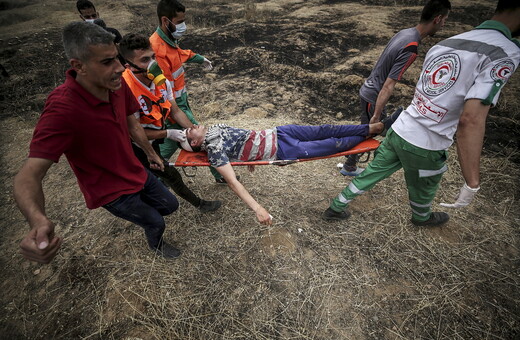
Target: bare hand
[
  {"x": 374, "y": 119},
  {"x": 264, "y": 217},
  {"x": 40, "y": 244},
  {"x": 156, "y": 162}
]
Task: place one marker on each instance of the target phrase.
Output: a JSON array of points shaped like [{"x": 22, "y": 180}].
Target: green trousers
[
  {"x": 423, "y": 171},
  {"x": 169, "y": 146}
]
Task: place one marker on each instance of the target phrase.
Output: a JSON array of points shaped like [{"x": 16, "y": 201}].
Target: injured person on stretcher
[{"x": 224, "y": 144}]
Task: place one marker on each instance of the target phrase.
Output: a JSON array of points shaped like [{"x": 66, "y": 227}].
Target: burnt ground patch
[
  {"x": 33, "y": 71},
  {"x": 5, "y": 5},
  {"x": 311, "y": 48},
  {"x": 472, "y": 15},
  {"x": 403, "y": 18},
  {"x": 212, "y": 15},
  {"x": 502, "y": 135},
  {"x": 253, "y": 49}
]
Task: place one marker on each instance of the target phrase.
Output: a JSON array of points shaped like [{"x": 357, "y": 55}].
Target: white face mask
[
  {"x": 90, "y": 20},
  {"x": 180, "y": 29}
]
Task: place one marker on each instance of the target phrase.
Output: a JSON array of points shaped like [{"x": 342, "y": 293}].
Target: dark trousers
[
  {"x": 299, "y": 141},
  {"x": 367, "y": 111},
  {"x": 146, "y": 208},
  {"x": 169, "y": 176}
]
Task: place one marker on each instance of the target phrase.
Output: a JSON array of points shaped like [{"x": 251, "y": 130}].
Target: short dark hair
[
  {"x": 504, "y": 5},
  {"x": 169, "y": 8},
  {"x": 434, "y": 8},
  {"x": 132, "y": 42},
  {"x": 84, "y": 4}
]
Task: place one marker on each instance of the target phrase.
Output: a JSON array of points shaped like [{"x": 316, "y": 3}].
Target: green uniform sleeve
[{"x": 197, "y": 58}]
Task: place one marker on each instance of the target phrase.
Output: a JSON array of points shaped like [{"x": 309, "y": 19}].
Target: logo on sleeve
[
  {"x": 502, "y": 70},
  {"x": 146, "y": 104},
  {"x": 440, "y": 74}
]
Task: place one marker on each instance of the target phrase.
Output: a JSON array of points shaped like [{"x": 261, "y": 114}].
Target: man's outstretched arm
[
  {"x": 229, "y": 175},
  {"x": 40, "y": 244}
]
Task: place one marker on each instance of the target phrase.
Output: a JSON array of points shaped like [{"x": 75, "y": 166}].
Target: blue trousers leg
[{"x": 297, "y": 141}]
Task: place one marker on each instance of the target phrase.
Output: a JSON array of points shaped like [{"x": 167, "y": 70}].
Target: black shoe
[
  {"x": 436, "y": 219},
  {"x": 167, "y": 251},
  {"x": 388, "y": 121},
  {"x": 207, "y": 206},
  {"x": 331, "y": 215},
  {"x": 222, "y": 180}
]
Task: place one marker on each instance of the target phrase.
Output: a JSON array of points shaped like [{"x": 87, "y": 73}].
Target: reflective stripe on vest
[
  {"x": 179, "y": 72},
  {"x": 179, "y": 93}
]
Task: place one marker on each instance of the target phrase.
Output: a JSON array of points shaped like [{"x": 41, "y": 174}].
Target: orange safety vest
[
  {"x": 155, "y": 108},
  {"x": 170, "y": 60}
]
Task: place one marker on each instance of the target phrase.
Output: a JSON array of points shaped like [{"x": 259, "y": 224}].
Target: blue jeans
[
  {"x": 300, "y": 141},
  {"x": 146, "y": 208}
]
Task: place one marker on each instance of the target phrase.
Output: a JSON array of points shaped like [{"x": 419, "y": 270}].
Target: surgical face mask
[
  {"x": 90, "y": 20},
  {"x": 180, "y": 29}
]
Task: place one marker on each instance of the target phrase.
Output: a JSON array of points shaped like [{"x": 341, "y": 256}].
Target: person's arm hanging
[
  {"x": 140, "y": 138},
  {"x": 229, "y": 175},
  {"x": 40, "y": 244},
  {"x": 383, "y": 98},
  {"x": 470, "y": 139}
]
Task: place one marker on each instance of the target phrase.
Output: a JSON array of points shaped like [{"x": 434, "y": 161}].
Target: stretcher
[{"x": 187, "y": 158}]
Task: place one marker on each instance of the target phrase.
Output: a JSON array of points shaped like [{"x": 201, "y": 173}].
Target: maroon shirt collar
[{"x": 70, "y": 82}]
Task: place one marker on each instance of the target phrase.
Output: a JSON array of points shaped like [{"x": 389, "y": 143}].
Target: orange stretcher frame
[{"x": 187, "y": 158}]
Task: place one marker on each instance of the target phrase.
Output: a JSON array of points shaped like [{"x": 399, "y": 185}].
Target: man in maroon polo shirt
[{"x": 90, "y": 118}]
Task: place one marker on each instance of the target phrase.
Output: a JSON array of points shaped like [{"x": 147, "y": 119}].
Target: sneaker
[
  {"x": 436, "y": 219},
  {"x": 167, "y": 251},
  {"x": 221, "y": 180},
  {"x": 388, "y": 121},
  {"x": 207, "y": 206},
  {"x": 351, "y": 172},
  {"x": 331, "y": 215}
]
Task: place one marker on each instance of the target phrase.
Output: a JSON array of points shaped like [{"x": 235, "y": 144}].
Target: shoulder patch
[{"x": 502, "y": 70}]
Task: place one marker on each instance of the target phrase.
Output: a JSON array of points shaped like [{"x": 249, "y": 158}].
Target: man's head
[
  {"x": 195, "y": 137},
  {"x": 93, "y": 55},
  {"x": 508, "y": 11},
  {"x": 434, "y": 15},
  {"x": 170, "y": 14},
  {"x": 86, "y": 10},
  {"x": 137, "y": 52}
]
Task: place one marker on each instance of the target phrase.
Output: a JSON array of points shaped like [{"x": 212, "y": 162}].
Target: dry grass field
[{"x": 375, "y": 276}]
